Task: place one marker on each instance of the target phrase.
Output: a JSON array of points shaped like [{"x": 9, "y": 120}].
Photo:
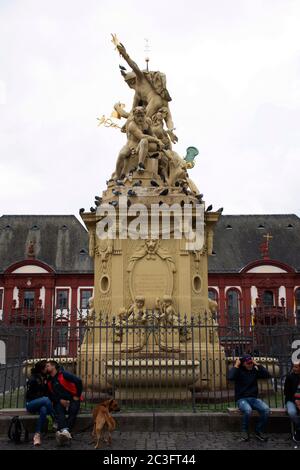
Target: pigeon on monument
[
  {"x": 164, "y": 192},
  {"x": 116, "y": 192}
]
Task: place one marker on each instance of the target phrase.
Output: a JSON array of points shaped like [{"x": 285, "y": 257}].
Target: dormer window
[
  {"x": 228, "y": 227},
  {"x": 261, "y": 227}
]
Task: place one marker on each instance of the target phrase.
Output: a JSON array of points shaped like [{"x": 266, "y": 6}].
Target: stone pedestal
[{"x": 143, "y": 352}]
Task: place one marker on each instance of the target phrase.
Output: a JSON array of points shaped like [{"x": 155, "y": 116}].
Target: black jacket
[
  {"x": 246, "y": 380},
  {"x": 290, "y": 386},
  {"x": 36, "y": 387}
]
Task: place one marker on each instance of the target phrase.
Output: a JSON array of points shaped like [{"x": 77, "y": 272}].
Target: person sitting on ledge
[
  {"x": 292, "y": 398},
  {"x": 37, "y": 399},
  {"x": 245, "y": 374},
  {"x": 65, "y": 391}
]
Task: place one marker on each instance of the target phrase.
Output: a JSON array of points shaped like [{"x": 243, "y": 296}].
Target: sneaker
[
  {"x": 65, "y": 436},
  {"x": 245, "y": 437},
  {"x": 260, "y": 437},
  {"x": 37, "y": 439},
  {"x": 296, "y": 436}
]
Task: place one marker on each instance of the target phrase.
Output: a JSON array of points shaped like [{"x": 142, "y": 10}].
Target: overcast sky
[{"x": 233, "y": 71}]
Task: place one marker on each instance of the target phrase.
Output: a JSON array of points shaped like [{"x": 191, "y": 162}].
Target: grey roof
[
  {"x": 235, "y": 248},
  {"x": 61, "y": 241}
]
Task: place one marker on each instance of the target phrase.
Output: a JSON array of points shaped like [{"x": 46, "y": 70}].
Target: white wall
[
  {"x": 30, "y": 269},
  {"x": 254, "y": 295},
  {"x": 266, "y": 268},
  {"x": 281, "y": 293},
  {"x": 43, "y": 295},
  {"x": 16, "y": 296}
]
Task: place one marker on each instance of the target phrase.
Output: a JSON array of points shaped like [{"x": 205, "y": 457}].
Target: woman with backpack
[{"x": 37, "y": 400}]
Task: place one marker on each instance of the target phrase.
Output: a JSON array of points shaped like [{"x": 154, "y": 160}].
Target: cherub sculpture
[
  {"x": 168, "y": 315},
  {"x": 136, "y": 314},
  {"x": 170, "y": 318}
]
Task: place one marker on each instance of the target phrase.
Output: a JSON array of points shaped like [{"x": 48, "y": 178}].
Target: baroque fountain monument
[{"x": 150, "y": 237}]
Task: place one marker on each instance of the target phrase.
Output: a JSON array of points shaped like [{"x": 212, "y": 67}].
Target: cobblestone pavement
[{"x": 166, "y": 441}]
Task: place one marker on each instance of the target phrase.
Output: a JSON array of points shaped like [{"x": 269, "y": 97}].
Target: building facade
[
  {"x": 46, "y": 274},
  {"x": 254, "y": 273}
]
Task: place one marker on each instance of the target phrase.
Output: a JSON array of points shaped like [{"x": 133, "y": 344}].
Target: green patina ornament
[{"x": 191, "y": 153}]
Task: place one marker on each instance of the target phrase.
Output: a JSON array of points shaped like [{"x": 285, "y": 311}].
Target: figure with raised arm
[{"x": 150, "y": 89}]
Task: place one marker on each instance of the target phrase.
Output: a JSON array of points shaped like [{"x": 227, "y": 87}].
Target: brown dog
[{"x": 104, "y": 423}]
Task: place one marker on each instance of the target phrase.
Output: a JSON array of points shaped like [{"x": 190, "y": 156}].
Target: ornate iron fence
[{"x": 147, "y": 364}]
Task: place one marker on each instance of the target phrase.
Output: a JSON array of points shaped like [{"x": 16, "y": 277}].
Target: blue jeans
[
  {"x": 64, "y": 422},
  {"x": 44, "y": 407},
  {"x": 247, "y": 405},
  {"x": 293, "y": 413}
]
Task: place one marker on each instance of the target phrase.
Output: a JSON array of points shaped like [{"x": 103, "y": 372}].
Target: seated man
[
  {"x": 245, "y": 374},
  {"x": 65, "y": 392},
  {"x": 292, "y": 398}
]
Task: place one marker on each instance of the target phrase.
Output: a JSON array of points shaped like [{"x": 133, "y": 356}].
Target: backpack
[{"x": 17, "y": 431}]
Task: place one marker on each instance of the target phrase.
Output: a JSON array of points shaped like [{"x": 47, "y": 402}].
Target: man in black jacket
[
  {"x": 245, "y": 374},
  {"x": 292, "y": 398},
  {"x": 65, "y": 391}
]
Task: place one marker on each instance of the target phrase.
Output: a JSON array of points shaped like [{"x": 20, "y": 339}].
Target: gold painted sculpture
[
  {"x": 150, "y": 88},
  {"x": 149, "y": 289},
  {"x": 140, "y": 141}
]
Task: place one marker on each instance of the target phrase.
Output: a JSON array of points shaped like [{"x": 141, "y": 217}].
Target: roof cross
[{"x": 264, "y": 246}]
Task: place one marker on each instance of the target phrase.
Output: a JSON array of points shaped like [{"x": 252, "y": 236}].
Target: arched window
[
  {"x": 268, "y": 298},
  {"x": 213, "y": 294},
  {"x": 297, "y": 302},
  {"x": 233, "y": 307}
]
